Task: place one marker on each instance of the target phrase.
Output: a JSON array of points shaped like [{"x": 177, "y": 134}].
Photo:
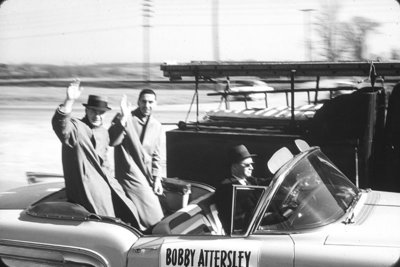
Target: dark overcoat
[{"x": 88, "y": 181}]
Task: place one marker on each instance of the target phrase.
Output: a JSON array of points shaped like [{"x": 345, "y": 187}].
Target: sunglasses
[{"x": 247, "y": 165}]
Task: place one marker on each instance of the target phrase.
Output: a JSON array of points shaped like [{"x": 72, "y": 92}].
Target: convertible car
[{"x": 310, "y": 214}]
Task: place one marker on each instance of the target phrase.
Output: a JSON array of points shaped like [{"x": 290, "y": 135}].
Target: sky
[{"x": 102, "y": 31}]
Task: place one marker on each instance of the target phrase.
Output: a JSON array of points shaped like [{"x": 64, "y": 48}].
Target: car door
[
  {"x": 244, "y": 247},
  {"x": 249, "y": 251}
]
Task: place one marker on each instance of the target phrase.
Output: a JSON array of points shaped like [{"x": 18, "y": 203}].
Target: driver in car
[{"x": 241, "y": 163}]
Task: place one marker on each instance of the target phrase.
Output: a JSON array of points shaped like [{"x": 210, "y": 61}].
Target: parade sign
[{"x": 218, "y": 253}]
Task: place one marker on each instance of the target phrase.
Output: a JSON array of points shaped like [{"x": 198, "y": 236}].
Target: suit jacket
[
  {"x": 223, "y": 199},
  {"x": 87, "y": 179}
]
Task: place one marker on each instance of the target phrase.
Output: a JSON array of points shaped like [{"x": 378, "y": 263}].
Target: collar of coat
[
  {"x": 86, "y": 121},
  {"x": 142, "y": 119}
]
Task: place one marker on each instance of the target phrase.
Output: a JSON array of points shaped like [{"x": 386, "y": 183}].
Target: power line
[
  {"x": 68, "y": 32},
  {"x": 203, "y": 25},
  {"x": 162, "y": 11}
]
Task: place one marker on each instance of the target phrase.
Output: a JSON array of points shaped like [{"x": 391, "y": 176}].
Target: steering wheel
[
  {"x": 290, "y": 203},
  {"x": 304, "y": 209},
  {"x": 289, "y": 197}
]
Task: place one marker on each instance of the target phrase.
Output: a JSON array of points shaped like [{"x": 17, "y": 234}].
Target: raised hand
[
  {"x": 125, "y": 106},
  {"x": 74, "y": 90},
  {"x": 126, "y": 109}
]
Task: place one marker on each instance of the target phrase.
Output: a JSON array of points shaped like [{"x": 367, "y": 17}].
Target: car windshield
[{"x": 313, "y": 193}]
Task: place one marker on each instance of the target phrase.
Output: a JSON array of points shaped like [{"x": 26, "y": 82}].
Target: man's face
[
  {"x": 146, "y": 103},
  {"x": 243, "y": 169},
  {"x": 95, "y": 117}
]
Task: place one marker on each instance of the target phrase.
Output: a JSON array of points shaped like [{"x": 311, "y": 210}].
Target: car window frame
[{"x": 256, "y": 212}]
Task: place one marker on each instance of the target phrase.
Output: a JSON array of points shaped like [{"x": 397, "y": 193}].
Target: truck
[{"x": 358, "y": 130}]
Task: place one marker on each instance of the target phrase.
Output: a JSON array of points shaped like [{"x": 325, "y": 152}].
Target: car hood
[{"x": 375, "y": 222}]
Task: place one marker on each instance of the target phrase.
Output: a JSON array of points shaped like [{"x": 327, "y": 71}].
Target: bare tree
[
  {"x": 327, "y": 29},
  {"x": 395, "y": 54},
  {"x": 354, "y": 34}
]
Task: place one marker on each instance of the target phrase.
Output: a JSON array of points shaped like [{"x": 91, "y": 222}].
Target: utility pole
[
  {"x": 307, "y": 33},
  {"x": 147, "y": 9},
  {"x": 215, "y": 29}
]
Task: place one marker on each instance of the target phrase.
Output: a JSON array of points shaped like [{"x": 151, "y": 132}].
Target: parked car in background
[
  {"x": 245, "y": 88},
  {"x": 309, "y": 215},
  {"x": 337, "y": 86}
]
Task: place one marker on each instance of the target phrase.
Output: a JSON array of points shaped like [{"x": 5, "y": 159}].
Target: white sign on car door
[{"x": 218, "y": 253}]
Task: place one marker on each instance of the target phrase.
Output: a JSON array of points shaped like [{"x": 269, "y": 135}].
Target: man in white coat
[{"x": 136, "y": 137}]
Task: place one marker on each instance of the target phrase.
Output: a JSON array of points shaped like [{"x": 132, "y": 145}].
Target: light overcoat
[{"x": 138, "y": 162}]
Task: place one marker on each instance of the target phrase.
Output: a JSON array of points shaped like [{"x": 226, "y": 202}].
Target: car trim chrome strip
[{"x": 55, "y": 253}]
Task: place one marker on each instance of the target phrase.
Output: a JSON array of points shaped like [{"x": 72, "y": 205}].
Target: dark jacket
[{"x": 223, "y": 199}]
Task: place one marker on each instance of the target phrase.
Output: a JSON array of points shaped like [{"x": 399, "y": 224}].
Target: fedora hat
[
  {"x": 97, "y": 102},
  {"x": 239, "y": 153}
]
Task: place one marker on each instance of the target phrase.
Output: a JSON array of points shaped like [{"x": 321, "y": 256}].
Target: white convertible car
[
  {"x": 246, "y": 89},
  {"x": 309, "y": 215}
]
